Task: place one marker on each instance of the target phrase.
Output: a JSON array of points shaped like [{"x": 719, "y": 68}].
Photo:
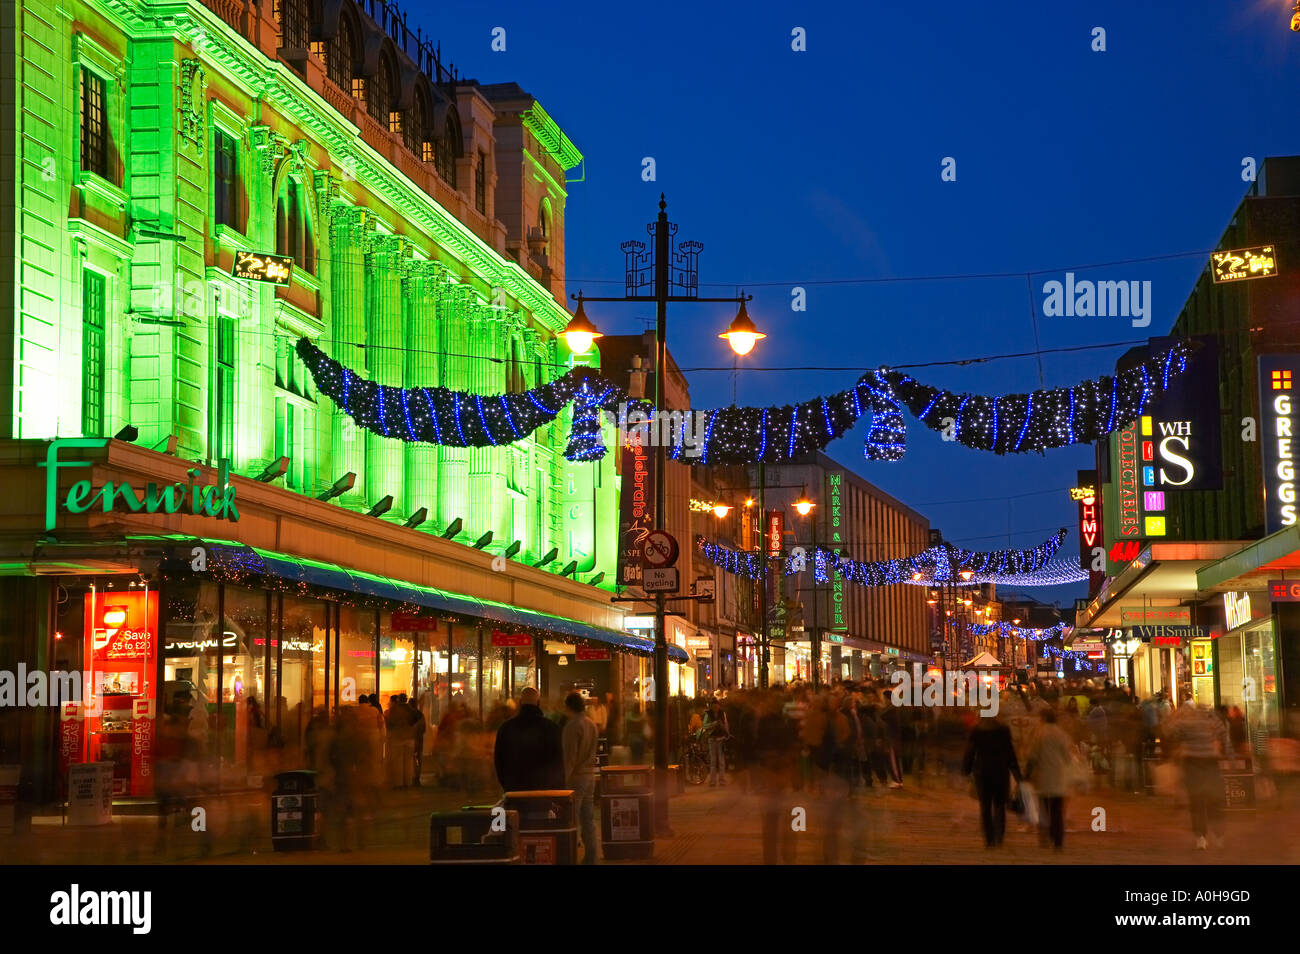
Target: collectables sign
[
  {"x": 1243, "y": 263},
  {"x": 263, "y": 267},
  {"x": 586, "y": 654},
  {"x": 1277, "y": 376}
]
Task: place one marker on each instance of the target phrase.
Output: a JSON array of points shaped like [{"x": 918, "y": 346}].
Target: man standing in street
[
  {"x": 529, "y": 753},
  {"x": 579, "y": 738}
]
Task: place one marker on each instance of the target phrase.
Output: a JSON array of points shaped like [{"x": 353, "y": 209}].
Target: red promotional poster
[
  {"x": 414, "y": 623},
  {"x": 592, "y": 655},
  {"x": 142, "y": 732},
  {"x": 500, "y": 639},
  {"x": 71, "y": 726},
  {"x": 123, "y": 626}
]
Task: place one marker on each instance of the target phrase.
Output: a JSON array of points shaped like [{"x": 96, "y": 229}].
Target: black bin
[
  {"x": 294, "y": 811},
  {"x": 478, "y": 835},
  {"x": 627, "y": 812},
  {"x": 548, "y": 827}
]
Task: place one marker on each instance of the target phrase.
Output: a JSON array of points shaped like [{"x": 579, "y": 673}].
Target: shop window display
[{"x": 358, "y": 672}]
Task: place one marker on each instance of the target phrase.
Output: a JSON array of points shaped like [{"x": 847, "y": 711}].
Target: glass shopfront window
[
  {"x": 397, "y": 661},
  {"x": 465, "y": 668},
  {"x": 190, "y": 655},
  {"x": 299, "y": 657},
  {"x": 243, "y": 675},
  {"x": 358, "y": 672}
]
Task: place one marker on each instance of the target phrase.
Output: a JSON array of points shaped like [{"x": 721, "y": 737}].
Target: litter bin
[
  {"x": 627, "y": 812},
  {"x": 475, "y": 835},
  {"x": 293, "y": 811},
  {"x": 548, "y": 828}
]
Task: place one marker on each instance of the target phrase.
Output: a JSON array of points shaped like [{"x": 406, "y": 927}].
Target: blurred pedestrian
[
  {"x": 1202, "y": 739},
  {"x": 991, "y": 760},
  {"x": 1048, "y": 768},
  {"x": 579, "y": 742},
  {"x": 529, "y": 751},
  {"x": 716, "y": 731}
]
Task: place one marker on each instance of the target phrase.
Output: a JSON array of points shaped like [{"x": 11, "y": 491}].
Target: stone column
[
  {"x": 388, "y": 262},
  {"x": 454, "y": 308},
  {"x": 424, "y": 287},
  {"x": 350, "y": 233}
]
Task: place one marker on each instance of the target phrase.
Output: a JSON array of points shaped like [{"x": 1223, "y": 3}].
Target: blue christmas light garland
[
  {"x": 938, "y": 564},
  {"x": 1007, "y": 424}
]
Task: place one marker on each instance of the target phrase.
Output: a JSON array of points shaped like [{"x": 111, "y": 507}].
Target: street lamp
[
  {"x": 741, "y": 334},
  {"x": 651, "y": 276},
  {"x": 803, "y": 506},
  {"x": 579, "y": 333},
  {"x": 721, "y": 509}
]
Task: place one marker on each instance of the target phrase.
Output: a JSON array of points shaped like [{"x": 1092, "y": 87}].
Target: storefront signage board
[{"x": 1278, "y": 418}]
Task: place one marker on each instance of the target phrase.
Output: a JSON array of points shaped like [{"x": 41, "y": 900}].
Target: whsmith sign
[{"x": 209, "y": 501}]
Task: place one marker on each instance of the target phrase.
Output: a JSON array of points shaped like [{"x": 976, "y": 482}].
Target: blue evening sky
[{"x": 795, "y": 168}]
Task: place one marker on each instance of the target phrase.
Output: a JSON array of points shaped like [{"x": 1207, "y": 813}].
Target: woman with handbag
[{"x": 1049, "y": 768}]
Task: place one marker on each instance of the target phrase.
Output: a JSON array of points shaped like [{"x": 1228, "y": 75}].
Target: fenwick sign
[{"x": 213, "y": 500}]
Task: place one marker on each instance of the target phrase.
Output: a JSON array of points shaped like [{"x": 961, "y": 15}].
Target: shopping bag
[
  {"x": 1030, "y": 798},
  {"x": 1017, "y": 803}
]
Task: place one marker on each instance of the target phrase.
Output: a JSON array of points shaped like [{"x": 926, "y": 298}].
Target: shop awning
[
  {"x": 1271, "y": 554},
  {"x": 238, "y": 558}
]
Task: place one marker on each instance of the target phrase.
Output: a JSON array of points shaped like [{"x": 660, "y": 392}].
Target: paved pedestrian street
[{"x": 937, "y": 824}]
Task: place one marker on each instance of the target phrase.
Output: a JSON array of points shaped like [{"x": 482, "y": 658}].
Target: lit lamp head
[
  {"x": 741, "y": 333},
  {"x": 1016, "y": 621},
  {"x": 803, "y": 506},
  {"x": 749, "y": 502},
  {"x": 579, "y": 333},
  {"x": 721, "y": 509},
  {"x": 966, "y": 575},
  {"x": 114, "y": 618}
]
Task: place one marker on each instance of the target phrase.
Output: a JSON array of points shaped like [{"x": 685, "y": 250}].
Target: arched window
[
  {"x": 416, "y": 121},
  {"x": 293, "y": 231},
  {"x": 340, "y": 56},
  {"x": 448, "y": 149},
  {"x": 380, "y": 101},
  {"x": 544, "y": 218},
  {"x": 293, "y": 20}
]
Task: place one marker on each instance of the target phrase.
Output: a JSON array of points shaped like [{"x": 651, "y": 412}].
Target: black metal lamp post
[{"x": 660, "y": 270}]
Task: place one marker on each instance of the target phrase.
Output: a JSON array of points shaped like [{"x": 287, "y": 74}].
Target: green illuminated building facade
[{"x": 153, "y": 142}]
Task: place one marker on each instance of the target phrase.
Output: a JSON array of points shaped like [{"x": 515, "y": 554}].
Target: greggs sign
[
  {"x": 213, "y": 500},
  {"x": 1277, "y": 376}
]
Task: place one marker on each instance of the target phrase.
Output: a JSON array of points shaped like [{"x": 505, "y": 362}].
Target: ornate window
[
  {"x": 293, "y": 233},
  {"x": 94, "y": 123}
]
